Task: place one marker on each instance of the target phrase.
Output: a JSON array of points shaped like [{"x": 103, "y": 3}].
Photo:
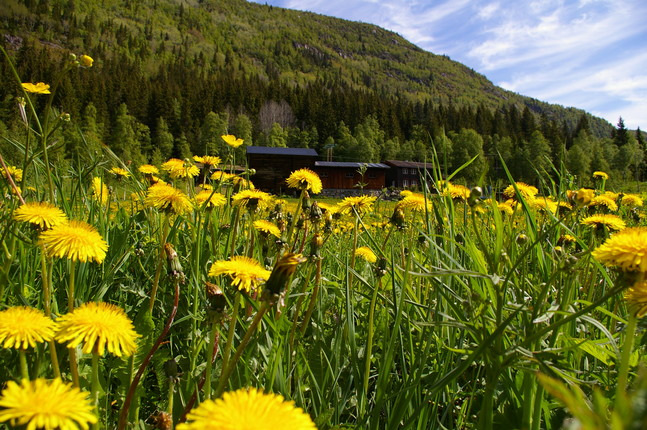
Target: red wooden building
[
  {"x": 345, "y": 175},
  {"x": 274, "y": 165}
]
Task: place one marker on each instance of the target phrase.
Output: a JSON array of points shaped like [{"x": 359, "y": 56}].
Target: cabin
[
  {"x": 274, "y": 165},
  {"x": 344, "y": 175},
  {"x": 406, "y": 174}
]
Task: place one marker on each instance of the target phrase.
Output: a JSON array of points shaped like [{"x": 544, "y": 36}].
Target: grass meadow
[{"x": 178, "y": 295}]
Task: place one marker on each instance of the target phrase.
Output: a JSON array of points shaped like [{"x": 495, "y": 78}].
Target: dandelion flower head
[
  {"x": 305, "y": 179},
  {"x": 148, "y": 169},
  {"x": 86, "y": 61},
  {"x": 248, "y": 409},
  {"x": 99, "y": 190},
  {"x": 252, "y": 199},
  {"x": 207, "y": 160},
  {"x": 526, "y": 191},
  {"x": 168, "y": 198},
  {"x": 626, "y": 249},
  {"x": 48, "y": 405},
  {"x": 267, "y": 227},
  {"x": 360, "y": 203},
  {"x": 119, "y": 172},
  {"x": 632, "y": 200},
  {"x": 366, "y": 253},
  {"x": 636, "y": 297},
  {"x": 44, "y": 215},
  {"x": 74, "y": 240},
  {"x": 246, "y": 273},
  {"x": 231, "y": 140},
  {"x": 613, "y": 222},
  {"x": 39, "y": 88},
  {"x": 601, "y": 175},
  {"x": 211, "y": 198},
  {"x": 15, "y": 173},
  {"x": 415, "y": 202},
  {"x": 605, "y": 201},
  {"x": 23, "y": 327},
  {"x": 100, "y": 326}
]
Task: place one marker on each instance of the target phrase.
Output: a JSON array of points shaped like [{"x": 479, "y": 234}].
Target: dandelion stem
[
  {"x": 95, "y": 385},
  {"x": 160, "y": 263},
  {"x": 232, "y": 330},
  {"x": 623, "y": 373},
  {"x": 24, "y": 372},
  {"x": 212, "y": 341},
  {"x": 227, "y": 371}
]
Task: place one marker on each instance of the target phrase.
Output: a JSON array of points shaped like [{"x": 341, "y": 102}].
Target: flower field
[{"x": 181, "y": 296}]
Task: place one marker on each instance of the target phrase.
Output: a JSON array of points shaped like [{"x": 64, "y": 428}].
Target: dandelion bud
[
  {"x": 522, "y": 239},
  {"x": 583, "y": 196},
  {"x": 216, "y": 301},
  {"x": 72, "y": 57},
  {"x": 315, "y": 246},
  {"x": 475, "y": 195},
  {"x": 171, "y": 369},
  {"x": 397, "y": 219},
  {"x": 281, "y": 275},
  {"x": 251, "y": 172},
  {"x": 86, "y": 61},
  {"x": 65, "y": 117},
  {"x": 315, "y": 212},
  {"x": 380, "y": 267},
  {"x": 175, "y": 268}
]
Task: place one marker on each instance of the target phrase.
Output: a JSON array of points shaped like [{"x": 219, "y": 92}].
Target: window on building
[
  {"x": 405, "y": 171},
  {"x": 323, "y": 175},
  {"x": 405, "y": 183},
  {"x": 372, "y": 175},
  {"x": 350, "y": 174}
]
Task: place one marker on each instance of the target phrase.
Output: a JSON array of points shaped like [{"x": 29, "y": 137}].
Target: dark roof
[
  {"x": 409, "y": 164},
  {"x": 352, "y": 164},
  {"x": 266, "y": 150}
]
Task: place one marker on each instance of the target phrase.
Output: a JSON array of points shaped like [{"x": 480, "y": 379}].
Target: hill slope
[{"x": 296, "y": 48}]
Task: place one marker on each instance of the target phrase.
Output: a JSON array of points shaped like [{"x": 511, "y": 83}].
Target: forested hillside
[{"x": 171, "y": 76}]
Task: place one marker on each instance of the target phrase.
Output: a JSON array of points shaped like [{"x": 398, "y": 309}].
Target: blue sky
[{"x": 590, "y": 54}]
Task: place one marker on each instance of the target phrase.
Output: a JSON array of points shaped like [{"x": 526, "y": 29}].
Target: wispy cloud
[{"x": 583, "y": 53}]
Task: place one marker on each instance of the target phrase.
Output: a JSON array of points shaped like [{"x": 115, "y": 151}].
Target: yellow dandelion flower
[
  {"x": 605, "y": 201},
  {"x": 39, "y": 88},
  {"x": 252, "y": 199},
  {"x": 506, "y": 207},
  {"x": 222, "y": 176},
  {"x": 100, "y": 191},
  {"x": 44, "y": 215},
  {"x": 581, "y": 197},
  {"x": 366, "y": 253},
  {"x": 119, "y": 172},
  {"x": 206, "y": 187},
  {"x": 231, "y": 140},
  {"x": 177, "y": 168},
  {"x": 246, "y": 273},
  {"x": 566, "y": 238},
  {"x": 86, "y": 61},
  {"x": 207, "y": 160},
  {"x": 74, "y": 240},
  {"x": 543, "y": 203},
  {"x": 15, "y": 173},
  {"x": 248, "y": 408},
  {"x": 632, "y": 200},
  {"x": 526, "y": 191},
  {"x": 405, "y": 193},
  {"x": 612, "y": 222},
  {"x": 305, "y": 179},
  {"x": 167, "y": 198},
  {"x": 626, "y": 249},
  {"x": 97, "y": 326},
  {"x": 460, "y": 192},
  {"x": 23, "y": 327},
  {"x": 48, "y": 405},
  {"x": 415, "y": 202},
  {"x": 211, "y": 198},
  {"x": 636, "y": 297},
  {"x": 148, "y": 169},
  {"x": 361, "y": 204},
  {"x": 601, "y": 175},
  {"x": 267, "y": 227}
]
